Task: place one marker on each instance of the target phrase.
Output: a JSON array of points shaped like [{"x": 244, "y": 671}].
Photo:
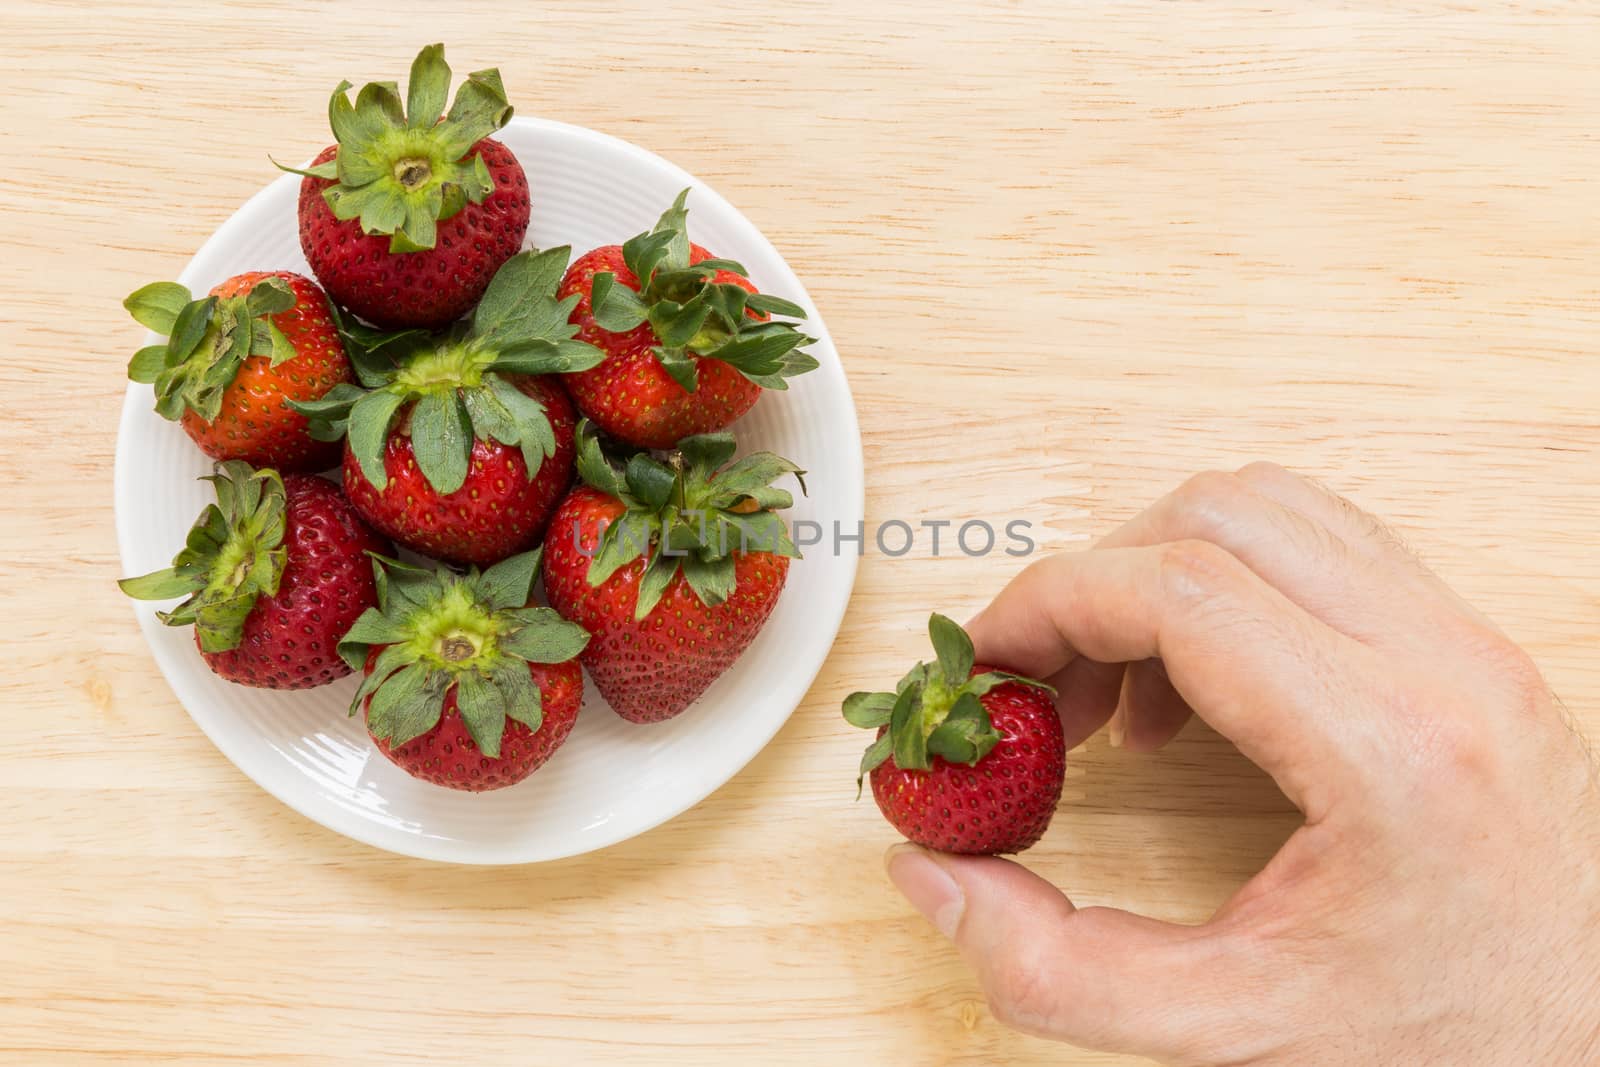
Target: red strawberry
[
  {"x": 275, "y": 572},
  {"x": 469, "y": 685},
  {"x": 666, "y": 625},
  {"x": 971, "y": 766},
  {"x": 499, "y": 510},
  {"x": 456, "y": 447},
  {"x": 407, "y": 218},
  {"x": 234, "y": 359},
  {"x": 688, "y": 349}
]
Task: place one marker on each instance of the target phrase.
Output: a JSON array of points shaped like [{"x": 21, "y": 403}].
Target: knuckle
[
  {"x": 1263, "y": 470},
  {"x": 1512, "y": 670},
  {"x": 1210, "y": 497},
  {"x": 1445, "y": 736},
  {"x": 1507, "y": 658},
  {"x": 1459, "y": 745},
  {"x": 1022, "y": 995},
  {"x": 1192, "y": 569}
]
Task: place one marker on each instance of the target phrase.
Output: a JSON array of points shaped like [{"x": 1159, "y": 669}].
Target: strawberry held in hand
[
  {"x": 469, "y": 685},
  {"x": 689, "y": 342},
  {"x": 968, "y": 758},
  {"x": 234, "y": 359},
  {"x": 407, "y": 218},
  {"x": 457, "y": 446},
  {"x": 275, "y": 572},
  {"x": 666, "y": 624}
]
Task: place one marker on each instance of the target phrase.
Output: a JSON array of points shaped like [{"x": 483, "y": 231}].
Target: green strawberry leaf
[
  {"x": 389, "y": 660},
  {"x": 773, "y": 305},
  {"x": 910, "y": 743},
  {"x": 441, "y": 439},
  {"x": 712, "y": 580},
  {"x": 622, "y": 542},
  {"x": 509, "y": 583},
  {"x": 483, "y": 710},
  {"x": 650, "y": 480},
  {"x": 873, "y": 758},
  {"x": 615, "y": 307},
  {"x": 980, "y": 684},
  {"x": 953, "y": 647},
  {"x": 156, "y": 306},
  {"x": 712, "y": 265},
  {"x": 368, "y": 433},
  {"x": 190, "y": 326},
  {"x": 680, "y": 366},
  {"x": 653, "y": 583},
  {"x": 373, "y": 627},
  {"x": 158, "y": 585},
  {"x": 269, "y": 296},
  {"x": 523, "y": 701},
  {"x": 520, "y": 303},
  {"x": 869, "y": 710},
  {"x": 428, "y": 88},
  {"x": 545, "y": 637},
  {"x": 282, "y": 349},
  {"x": 708, "y": 452},
  {"x": 966, "y": 735},
  {"x": 405, "y": 706},
  {"x": 147, "y": 364}
]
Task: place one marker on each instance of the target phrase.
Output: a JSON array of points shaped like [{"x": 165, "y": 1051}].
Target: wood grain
[{"x": 1070, "y": 254}]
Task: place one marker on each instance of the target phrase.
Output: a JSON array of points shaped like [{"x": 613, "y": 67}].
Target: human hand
[{"x": 1441, "y": 904}]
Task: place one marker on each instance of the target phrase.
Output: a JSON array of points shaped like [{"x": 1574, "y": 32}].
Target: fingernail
[
  {"x": 1117, "y": 728},
  {"x": 930, "y": 890}
]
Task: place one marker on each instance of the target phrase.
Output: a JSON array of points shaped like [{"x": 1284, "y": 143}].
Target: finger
[
  {"x": 1151, "y": 709},
  {"x": 1096, "y": 977},
  {"x": 1305, "y": 560},
  {"x": 1363, "y": 531},
  {"x": 1262, "y": 671},
  {"x": 1366, "y": 534},
  {"x": 1086, "y": 693}
]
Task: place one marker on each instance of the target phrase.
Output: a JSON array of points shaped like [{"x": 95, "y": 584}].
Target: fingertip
[
  {"x": 1151, "y": 710},
  {"x": 927, "y": 885},
  {"x": 1086, "y": 694}
]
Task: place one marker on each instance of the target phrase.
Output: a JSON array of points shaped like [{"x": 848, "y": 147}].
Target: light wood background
[{"x": 1070, "y": 253}]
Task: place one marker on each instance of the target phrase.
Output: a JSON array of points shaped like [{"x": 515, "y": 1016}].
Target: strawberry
[
  {"x": 689, "y": 342},
  {"x": 666, "y": 623},
  {"x": 459, "y": 445},
  {"x": 968, "y": 758},
  {"x": 234, "y": 359},
  {"x": 275, "y": 572},
  {"x": 406, "y": 218},
  {"x": 469, "y": 685}
]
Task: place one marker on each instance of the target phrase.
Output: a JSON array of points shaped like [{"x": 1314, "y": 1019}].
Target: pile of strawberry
[{"x": 489, "y": 409}]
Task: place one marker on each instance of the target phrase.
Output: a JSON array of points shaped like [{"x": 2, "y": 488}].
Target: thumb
[{"x": 1096, "y": 977}]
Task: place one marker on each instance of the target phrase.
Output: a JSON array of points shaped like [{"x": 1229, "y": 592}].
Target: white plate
[{"x": 612, "y": 779}]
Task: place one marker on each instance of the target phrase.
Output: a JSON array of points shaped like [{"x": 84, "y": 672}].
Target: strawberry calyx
[
  {"x": 692, "y": 315},
  {"x": 401, "y": 168},
  {"x": 935, "y": 710},
  {"x": 446, "y": 390},
  {"x": 435, "y": 631},
  {"x": 693, "y": 512},
  {"x": 234, "y": 555},
  {"x": 208, "y": 340}
]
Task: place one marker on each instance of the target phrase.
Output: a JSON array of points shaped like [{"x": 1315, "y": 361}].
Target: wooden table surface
[{"x": 1069, "y": 255}]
